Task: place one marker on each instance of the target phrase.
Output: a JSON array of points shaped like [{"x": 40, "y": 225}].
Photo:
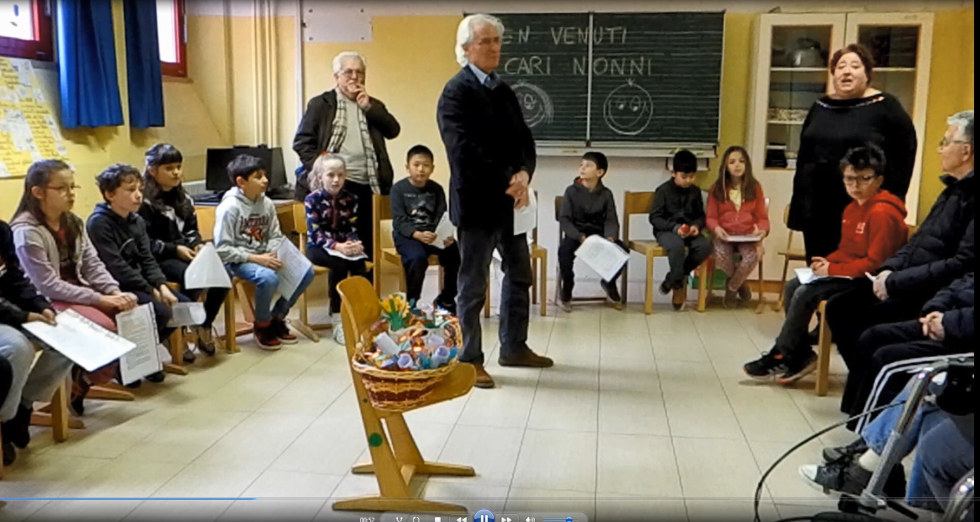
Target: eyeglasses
[
  {"x": 351, "y": 73},
  {"x": 858, "y": 180},
  {"x": 946, "y": 142},
  {"x": 64, "y": 189}
]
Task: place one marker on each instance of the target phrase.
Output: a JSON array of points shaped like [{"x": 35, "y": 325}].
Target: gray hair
[
  {"x": 320, "y": 166},
  {"x": 963, "y": 121},
  {"x": 464, "y": 33},
  {"x": 338, "y": 61}
]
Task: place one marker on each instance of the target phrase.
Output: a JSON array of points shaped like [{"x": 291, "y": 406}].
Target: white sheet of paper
[
  {"x": 525, "y": 219},
  {"x": 187, "y": 314},
  {"x": 444, "y": 230},
  {"x": 79, "y": 339},
  {"x": 139, "y": 326},
  {"x": 294, "y": 268},
  {"x": 206, "y": 270},
  {"x": 338, "y": 253},
  {"x": 871, "y": 277},
  {"x": 743, "y": 239},
  {"x": 603, "y": 256},
  {"x": 806, "y": 275}
]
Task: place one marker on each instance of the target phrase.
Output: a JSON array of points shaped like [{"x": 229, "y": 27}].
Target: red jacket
[
  {"x": 870, "y": 234},
  {"x": 738, "y": 222}
]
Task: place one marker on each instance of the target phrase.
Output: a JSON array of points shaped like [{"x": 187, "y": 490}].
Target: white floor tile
[
  {"x": 637, "y": 465},
  {"x": 702, "y": 463},
  {"x": 633, "y": 413},
  {"x": 492, "y": 452},
  {"x": 565, "y": 461},
  {"x": 566, "y": 410}
]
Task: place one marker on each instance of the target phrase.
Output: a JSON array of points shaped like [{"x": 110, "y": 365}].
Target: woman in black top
[{"x": 854, "y": 116}]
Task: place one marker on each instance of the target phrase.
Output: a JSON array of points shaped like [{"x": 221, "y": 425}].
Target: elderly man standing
[
  {"x": 491, "y": 159},
  {"x": 348, "y": 122}
]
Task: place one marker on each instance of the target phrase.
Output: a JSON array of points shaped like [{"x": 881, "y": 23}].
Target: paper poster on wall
[{"x": 28, "y": 129}]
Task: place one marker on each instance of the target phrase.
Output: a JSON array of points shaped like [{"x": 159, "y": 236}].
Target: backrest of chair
[
  {"x": 635, "y": 203},
  {"x": 360, "y": 308},
  {"x": 789, "y": 238},
  {"x": 558, "y": 202},
  {"x": 912, "y": 230},
  {"x": 381, "y": 210}
]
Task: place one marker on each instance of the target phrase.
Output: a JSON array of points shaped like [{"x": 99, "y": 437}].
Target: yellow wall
[
  {"x": 950, "y": 91},
  {"x": 188, "y": 126}
]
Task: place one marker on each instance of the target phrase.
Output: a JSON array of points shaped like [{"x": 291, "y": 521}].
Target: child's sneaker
[
  {"x": 79, "y": 389},
  {"x": 770, "y": 364},
  {"x": 730, "y": 299},
  {"x": 566, "y": 306},
  {"x": 665, "y": 288},
  {"x": 281, "y": 329},
  {"x": 205, "y": 340},
  {"x": 744, "y": 294},
  {"x": 679, "y": 299},
  {"x": 798, "y": 368},
  {"x": 266, "y": 337},
  {"x": 612, "y": 294},
  {"x": 338, "y": 335}
]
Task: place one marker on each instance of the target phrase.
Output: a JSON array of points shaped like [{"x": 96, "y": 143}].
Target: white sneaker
[{"x": 338, "y": 335}]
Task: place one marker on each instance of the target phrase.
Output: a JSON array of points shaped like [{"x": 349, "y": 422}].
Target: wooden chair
[
  {"x": 761, "y": 282},
  {"x": 539, "y": 275},
  {"x": 561, "y": 236},
  {"x": 641, "y": 203},
  {"x": 789, "y": 255},
  {"x": 205, "y": 225},
  {"x": 825, "y": 343},
  {"x": 381, "y": 206},
  {"x": 395, "y": 457}
]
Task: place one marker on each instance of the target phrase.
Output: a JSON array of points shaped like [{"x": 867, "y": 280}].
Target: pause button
[{"x": 483, "y": 515}]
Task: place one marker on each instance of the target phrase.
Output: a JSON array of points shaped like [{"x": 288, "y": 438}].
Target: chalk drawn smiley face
[
  {"x": 628, "y": 109},
  {"x": 535, "y": 103}
]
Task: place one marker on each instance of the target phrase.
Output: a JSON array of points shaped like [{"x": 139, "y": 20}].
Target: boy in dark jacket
[
  {"x": 417, "y": 206},
  {"x": 29, "y": 382},
  {"x": 118, "y": 234},
  {"x": 678, "y": 218},
  {"x": 941, "y": 252},
  {"x": 587, "y": 209}
]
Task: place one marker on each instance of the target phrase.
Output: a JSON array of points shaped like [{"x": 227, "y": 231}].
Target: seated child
[
  {"x": 678, "y": 219},
  {"x": 587, "y": 209},
  {"x": 873, "y": 229},
  {"x": 333, "y": 241},
  {"x": 30, "y": 381},
  {"x": 247, "y": 237},
  {"x": 57, "y": 255},
  {"x": 737, "y": 207},
  {"x": 119, "y": 235},
  {"x": 174, "y": 238},
  {"x": 417, "y": 206}
]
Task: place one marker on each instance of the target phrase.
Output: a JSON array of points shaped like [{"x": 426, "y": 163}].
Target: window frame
[
  {"x": 41, "y": 48},
  {"x": 178, "y": 69}
]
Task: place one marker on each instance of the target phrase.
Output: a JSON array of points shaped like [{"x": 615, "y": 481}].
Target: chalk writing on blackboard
[
  {"x": 628, "y": 109},
  {"x": 535, "y": 103}
]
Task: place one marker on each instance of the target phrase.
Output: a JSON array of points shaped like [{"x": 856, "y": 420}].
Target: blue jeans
[{"x": 266, "y": 283}]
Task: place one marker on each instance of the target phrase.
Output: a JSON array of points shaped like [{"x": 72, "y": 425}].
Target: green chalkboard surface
[{"x": 656, "y": 77}]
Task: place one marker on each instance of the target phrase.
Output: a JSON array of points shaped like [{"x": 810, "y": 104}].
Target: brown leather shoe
[
  {"x": 483, "y": 379},
  {"x": 680, "y": 298},
  {"x": 527, "y": 359}
]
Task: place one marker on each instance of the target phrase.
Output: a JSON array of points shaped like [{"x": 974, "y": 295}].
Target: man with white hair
[
  {"x": 350, "y": 123},
  {"x": 491, "y": 159}
]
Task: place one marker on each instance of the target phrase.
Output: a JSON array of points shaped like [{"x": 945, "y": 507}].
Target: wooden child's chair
[
  {"x": 561, "y": 236},
  {"x": 761, "y": 282},
  {"x": 789, "y": 255},
  {"x": 381, "y": 207},
  {"x": 539, "y": 275},
  {"x": 641, "y": 203},
  {"x": 395, "y": 457}
]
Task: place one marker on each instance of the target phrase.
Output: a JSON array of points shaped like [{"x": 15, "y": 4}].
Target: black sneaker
[
  {"x": 771, "y": 363},
  {"x": 665, "y": 288},
  {"x": 156, "y": 377},
  {"x": 17, "y": 431},
  {"x": 730, "y": 300},
  {"x": 858, "y": 447},
  {"x": 847, "y": 477},
  {"x": 281, "y": 329},
  {"x": 79, "y": 389},
  {"x": 205, "y": 340},
  {"x": 9, "y": 453},
  {"x": 446, "y": 304},
  {"x": 612, "y": 294},
  {"x": 798, "y": 368},
  {"x": 189, "y": 356},
  {"x": 744, "y": 294}
]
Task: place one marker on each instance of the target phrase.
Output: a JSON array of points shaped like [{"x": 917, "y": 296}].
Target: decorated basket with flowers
[{"x": 413, "y": 347}]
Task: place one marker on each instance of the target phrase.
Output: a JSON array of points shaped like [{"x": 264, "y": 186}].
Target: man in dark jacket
[
  {"x": 491, "y": 159},
  {"x": 941, "y": 252},
  {"x": 349, "y": 122}
]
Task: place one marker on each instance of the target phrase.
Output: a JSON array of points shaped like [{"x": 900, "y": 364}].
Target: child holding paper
[
  {"x": 333, "y": 243},
  {"x": 174, "y": 238},
  {"x": 418, "y": 204},
  {"x": 30, "y": 381},
  {"x": 587, "y": 209},
  {"x": 56, "y": 253},
  {"x": 119, "y": 235},
  {"x": 678, "y": 219},
  {"x": 247, "y": 237},
  {"x": 737, "y": 207},
  {"x": 873, "y": 229}
]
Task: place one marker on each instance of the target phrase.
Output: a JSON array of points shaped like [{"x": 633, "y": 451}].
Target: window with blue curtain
[
  {"x": 144, "y": 74},
  {"x": 87, "y": 64}
]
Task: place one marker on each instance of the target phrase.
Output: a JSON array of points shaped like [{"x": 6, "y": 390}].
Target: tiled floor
[{"x": 642, "y": 415}]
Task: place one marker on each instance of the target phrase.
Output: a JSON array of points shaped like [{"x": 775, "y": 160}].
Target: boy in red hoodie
[{"x": 873, "y": 229}]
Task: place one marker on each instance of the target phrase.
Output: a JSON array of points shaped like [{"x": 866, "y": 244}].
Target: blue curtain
[
  {"x": 87, "y": 63},
  {"x": 143, "y": 65}
]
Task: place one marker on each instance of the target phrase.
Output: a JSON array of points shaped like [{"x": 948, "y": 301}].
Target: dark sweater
[
  {"x": 831, "y": 129},
  {"x": 18, "y": 296},
  {"x": 416, "y": 209},
  {"x": 587, "y": 212},
  {"x": 124, "y": 247},
  {"x": 674, "y": 206},
  {"x": 170, "y": 222}
]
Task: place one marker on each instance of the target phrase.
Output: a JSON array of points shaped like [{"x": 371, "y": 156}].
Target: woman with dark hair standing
[{"x": 855, "y": 115}]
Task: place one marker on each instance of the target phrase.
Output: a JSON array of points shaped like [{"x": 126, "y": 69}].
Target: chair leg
[
  {"x": 231, "y": 326},
  {"x": 59, "y": 413},
  {"x": 486, "y": 300},
  {"x": 823, "y": 354},
  {"x": 762, "y": 292},
  {"x": 534, "y": 281},
  {"x": 703, "y": 288},
  {"x": 625, "y": 276},
  {"x": 782, "y": 285},
  {"x": 304, "y": 312},
  {"x": 648, "y": 299},
  {"x": 176, "y": 353}
]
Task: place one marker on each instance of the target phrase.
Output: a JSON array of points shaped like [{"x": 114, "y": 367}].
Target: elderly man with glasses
[{"x": 347, "y": 121}]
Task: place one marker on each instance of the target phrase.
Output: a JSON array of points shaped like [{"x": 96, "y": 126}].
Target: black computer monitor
[{"x": 216, "y": 176}]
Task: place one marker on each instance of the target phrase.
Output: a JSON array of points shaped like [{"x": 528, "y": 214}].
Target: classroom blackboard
[
  {"x": 616, "y": 77},
  {"x": 544, "y": 58}
]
